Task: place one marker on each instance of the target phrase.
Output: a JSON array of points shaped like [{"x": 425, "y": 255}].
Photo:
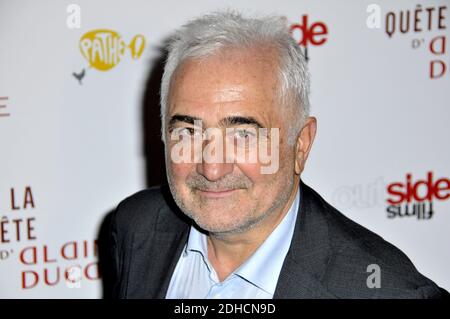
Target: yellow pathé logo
[{"x": 104, "y": 49}]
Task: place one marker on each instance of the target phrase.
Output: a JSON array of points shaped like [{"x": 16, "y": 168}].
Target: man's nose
[
  {"x": 214, "y": 171},
  {"x": 213, "y": 165}
]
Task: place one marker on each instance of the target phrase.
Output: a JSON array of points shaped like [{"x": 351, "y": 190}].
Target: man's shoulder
[
  {"x": 149, "y": 210},
  {"x": 360, "y": 259}
]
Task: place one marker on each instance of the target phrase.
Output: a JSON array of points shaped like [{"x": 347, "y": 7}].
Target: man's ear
[{"x": 304, "y": 143}]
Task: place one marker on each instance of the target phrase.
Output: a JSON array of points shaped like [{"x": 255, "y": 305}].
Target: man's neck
[{"x": 227, "y": 253}]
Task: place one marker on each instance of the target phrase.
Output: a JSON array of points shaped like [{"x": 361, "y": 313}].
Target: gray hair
[{"x": 206, "y": 35}]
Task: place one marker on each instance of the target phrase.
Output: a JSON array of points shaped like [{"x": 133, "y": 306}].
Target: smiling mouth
[{"x": 217, "y": 193}]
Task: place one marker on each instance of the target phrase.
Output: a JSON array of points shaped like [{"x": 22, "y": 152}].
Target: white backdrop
[{"x": 70, "y": 152}]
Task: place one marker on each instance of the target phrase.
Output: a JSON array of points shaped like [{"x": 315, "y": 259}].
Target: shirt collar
[
  {"x": 197, "y": 242},
  {"x": 264, "y": 266}
]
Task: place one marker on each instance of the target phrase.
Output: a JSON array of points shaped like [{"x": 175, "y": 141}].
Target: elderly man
[{"x": 236, "y": 89}]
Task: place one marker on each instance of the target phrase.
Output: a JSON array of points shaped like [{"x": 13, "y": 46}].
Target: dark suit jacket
[{"x": 328, "y": 256}]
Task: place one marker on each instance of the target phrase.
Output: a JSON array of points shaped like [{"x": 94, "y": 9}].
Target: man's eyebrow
[
  {"x": 182, "y": 118},
  {"x": 240, "y": 120}
]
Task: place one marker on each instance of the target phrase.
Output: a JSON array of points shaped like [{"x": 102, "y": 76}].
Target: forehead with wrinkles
[{"x": 234, "y": 82}]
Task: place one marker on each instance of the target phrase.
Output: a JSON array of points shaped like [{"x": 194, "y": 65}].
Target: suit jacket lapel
[
  {"x": 309, "y": 253},
  {"x": 154, "y": 260},
  {"x": 168, "y": 262}
]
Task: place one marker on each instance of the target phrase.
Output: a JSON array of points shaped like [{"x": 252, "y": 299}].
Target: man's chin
[
  {"x": 213, "y": 226},
  {"x": 223, "y": 226}
]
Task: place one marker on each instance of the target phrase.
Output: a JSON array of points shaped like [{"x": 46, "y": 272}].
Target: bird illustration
[{"x": 79, "y": 76}]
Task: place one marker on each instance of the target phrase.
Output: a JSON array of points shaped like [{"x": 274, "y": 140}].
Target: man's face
[{"x": 235, "y": 89}]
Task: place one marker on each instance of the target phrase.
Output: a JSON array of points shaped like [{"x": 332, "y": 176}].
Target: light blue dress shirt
[{"x": 256, "y": 278}]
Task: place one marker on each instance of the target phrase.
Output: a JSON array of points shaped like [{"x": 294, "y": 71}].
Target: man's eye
[
  {"x": 187, "y": 131},
  {"x": 246, "y": 134}
]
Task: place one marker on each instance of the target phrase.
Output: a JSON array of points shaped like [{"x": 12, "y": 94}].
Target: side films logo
[
  {"x": 104, "y": 49},
  {"x": 409, "y": 198},
  {"x": 415, "y": 198},
  {"x": 426, "y": 26},
  {"x": 305, "y": 34},
  {"x": 230, "y": 145}
]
